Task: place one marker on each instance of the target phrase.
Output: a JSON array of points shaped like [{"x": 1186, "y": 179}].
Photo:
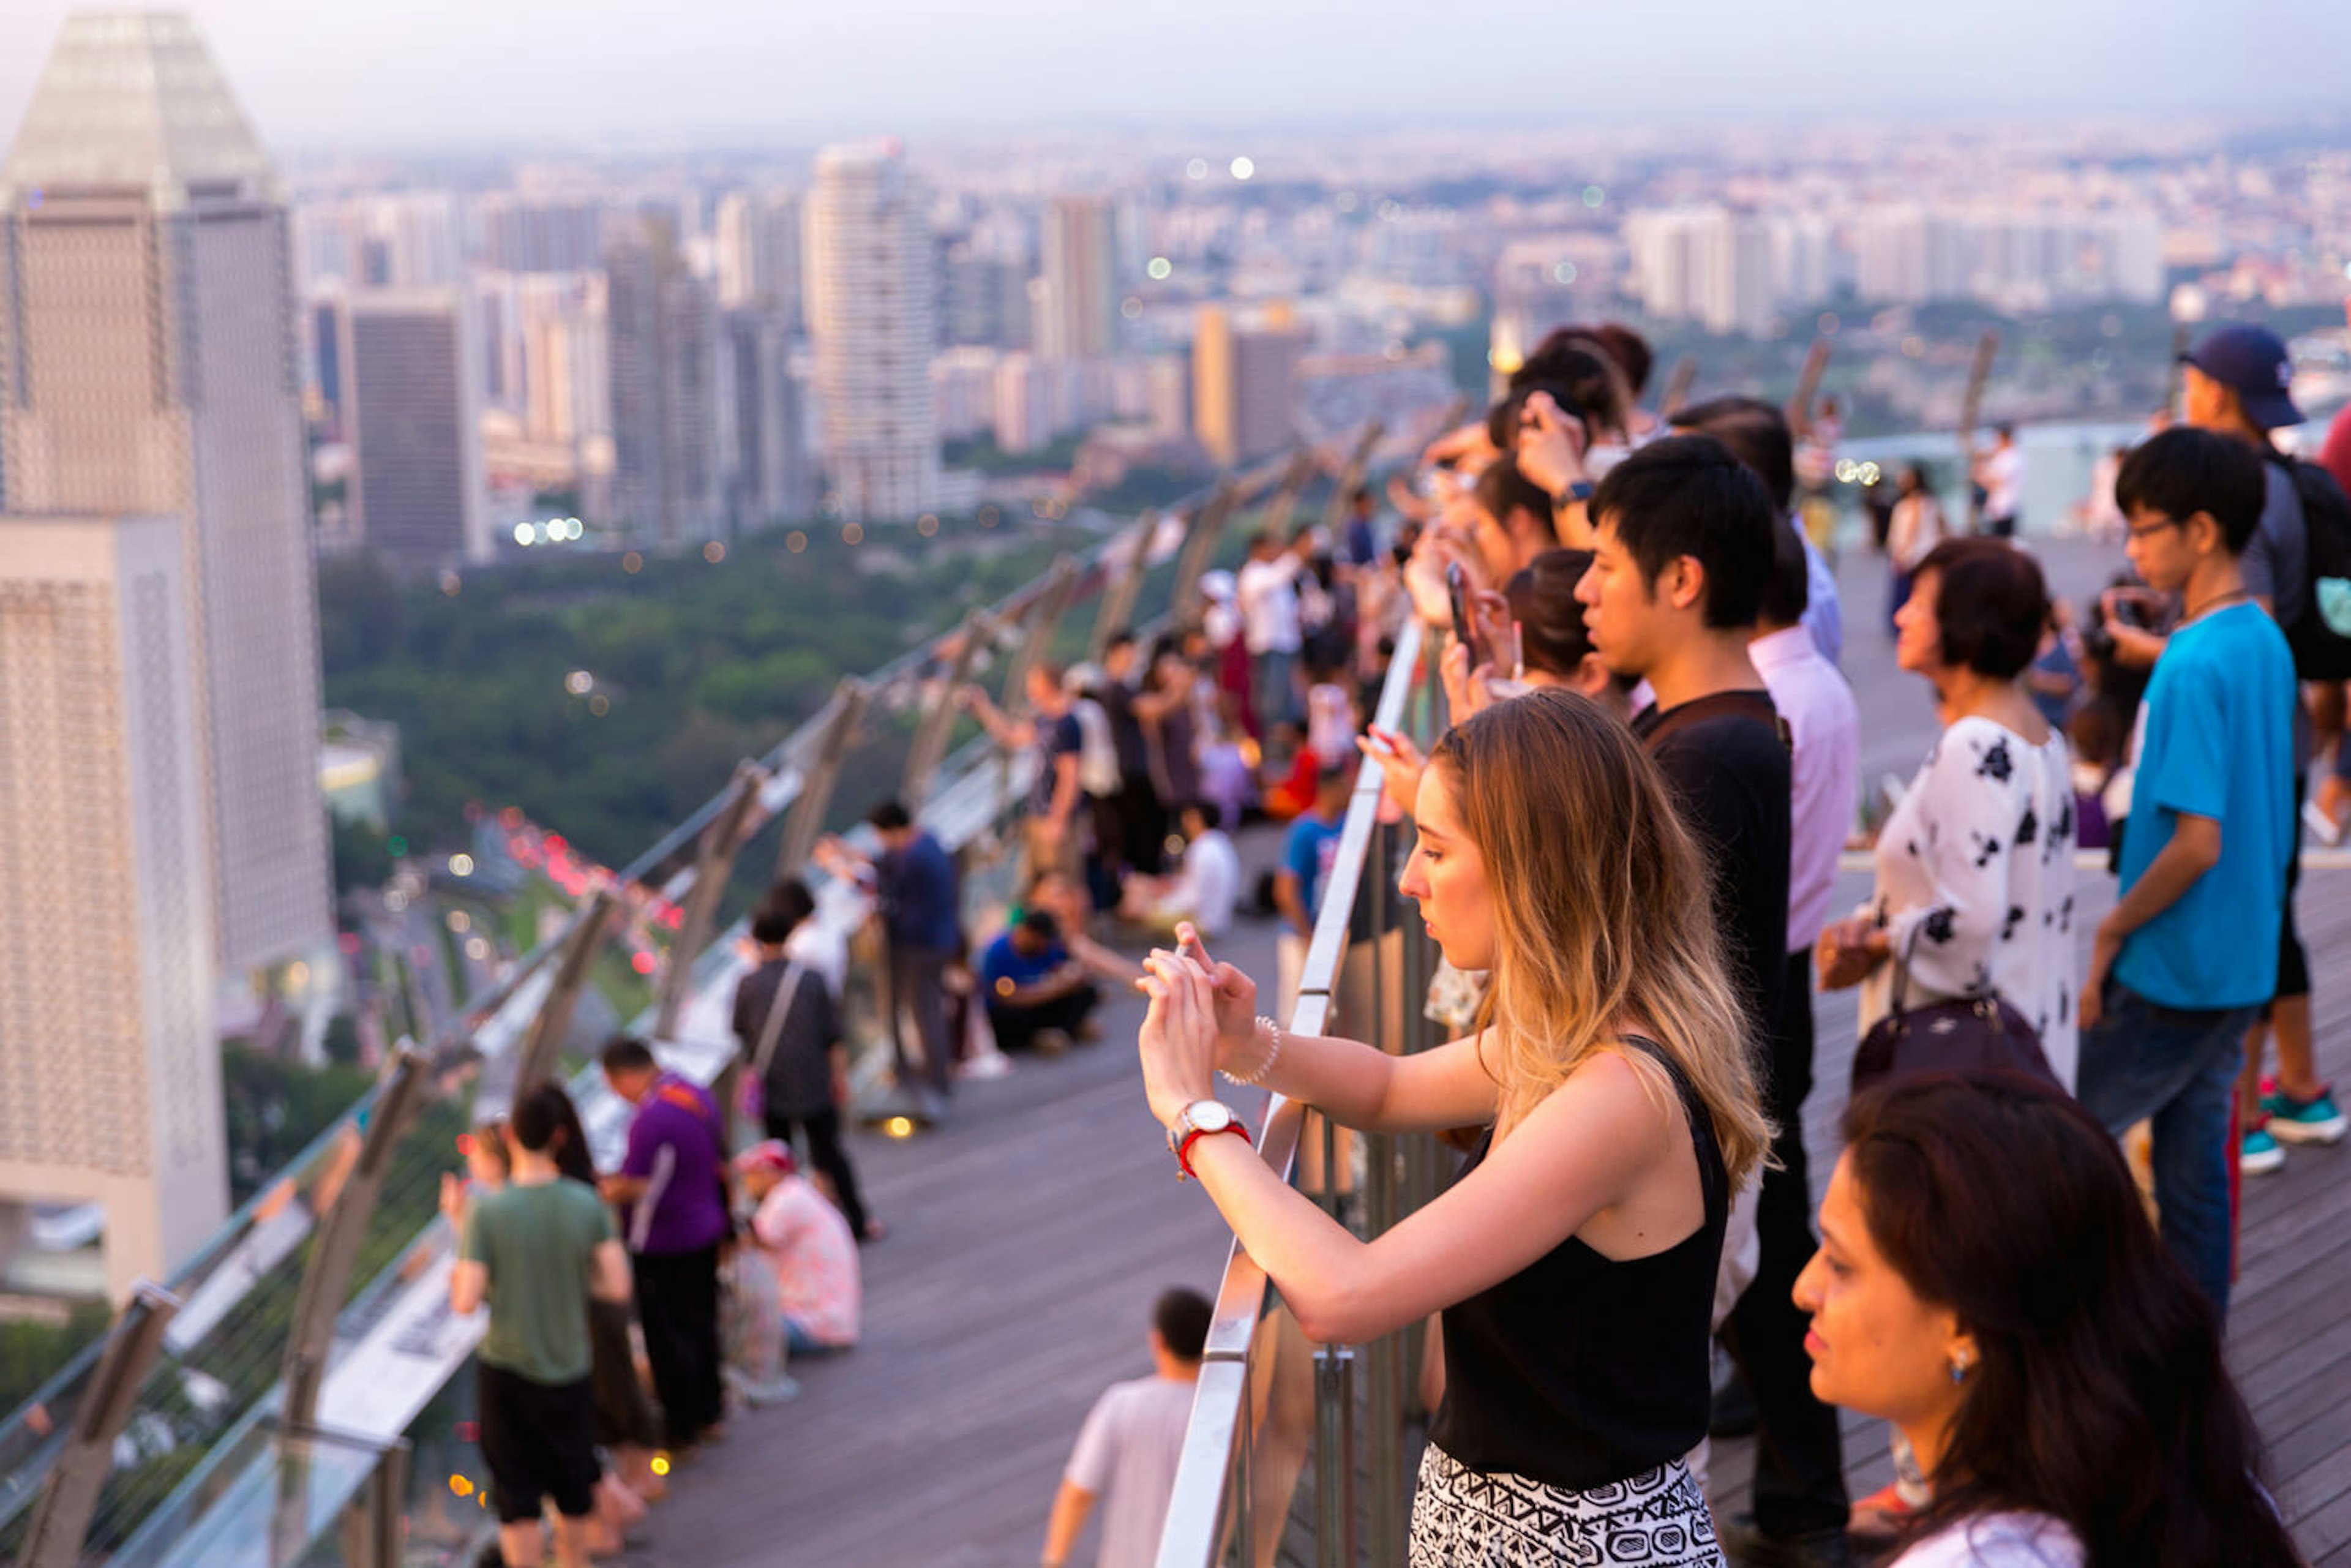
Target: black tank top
[{"x": 1578, "y": 1370}]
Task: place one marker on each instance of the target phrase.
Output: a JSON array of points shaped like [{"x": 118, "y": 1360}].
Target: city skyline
[{"x": 443, "y": 75}]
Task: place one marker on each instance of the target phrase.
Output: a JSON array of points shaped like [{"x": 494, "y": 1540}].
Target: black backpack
[{"x": 2320, "y": 651}]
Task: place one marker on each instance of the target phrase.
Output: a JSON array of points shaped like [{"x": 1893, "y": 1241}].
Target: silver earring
[{"x": 1960, "y": 1365}]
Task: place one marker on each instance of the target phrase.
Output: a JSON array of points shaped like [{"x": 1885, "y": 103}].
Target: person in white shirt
[
  {"x": 2001, "y": 471},
  {"x": 1204, "y": 891},
  {"x": 1130, "y": 1443},
  {"x": 1917, "y": 528},
  {"x": 1988, "y": 1282},
  {"x": 1266, "y": 594},
  {"x": 1975, "y": 891}
]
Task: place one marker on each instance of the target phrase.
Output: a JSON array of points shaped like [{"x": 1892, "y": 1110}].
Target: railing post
[
  {"x": 1276, "y": 518},
  {"x": 1334, "y": 511},
  {"x": 1118, "y": 601},
  {"x": 1334, "y": 1457},
  {"x": 375, "y": 1527},
  {"x": 806, "y": 819},
  {"x": 69, "y": 1497},
  {"x": 714, "y": 864},
  {"x": 1971, "y": 408},
  {"x": 1677, "y": 387},
  {"x": 326, "y": 1280},
  {"x": 930, "y": 747},
  {"x": 1037, "y": 635},
  {"x": 534, "y": 1063},
  {"x": 1200, "y": 547}
]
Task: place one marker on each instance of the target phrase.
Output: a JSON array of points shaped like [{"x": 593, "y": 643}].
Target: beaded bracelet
[{"x": 1269, "y": 1031}]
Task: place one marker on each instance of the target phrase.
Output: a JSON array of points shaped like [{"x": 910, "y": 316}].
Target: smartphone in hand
[{"x": 1464, "y": 630}]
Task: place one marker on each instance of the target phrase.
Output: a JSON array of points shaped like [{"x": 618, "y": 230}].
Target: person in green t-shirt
[{"x": 535, "y": 1250}]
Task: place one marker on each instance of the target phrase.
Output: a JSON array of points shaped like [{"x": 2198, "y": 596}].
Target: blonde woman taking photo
[{"x": 1575, "y": 1260}]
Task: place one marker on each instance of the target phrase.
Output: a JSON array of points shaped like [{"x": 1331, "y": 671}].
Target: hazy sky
[{"x": 441, "y": 71}]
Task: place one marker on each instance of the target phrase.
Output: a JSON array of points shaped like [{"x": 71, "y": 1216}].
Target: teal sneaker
[
  {"x": 2259, "y": 1153},
  {"x": 2313, "y": 1121}
]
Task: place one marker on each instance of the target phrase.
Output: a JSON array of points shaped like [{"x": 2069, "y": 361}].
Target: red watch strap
[{"x": 1184, "y": 1149}]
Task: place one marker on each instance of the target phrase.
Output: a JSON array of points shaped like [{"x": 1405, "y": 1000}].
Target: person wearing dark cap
[{"x": 2238, "y": 384}]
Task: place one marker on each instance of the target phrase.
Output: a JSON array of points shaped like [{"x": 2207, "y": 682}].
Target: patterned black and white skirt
[{"x": 1463, "y": 1518}]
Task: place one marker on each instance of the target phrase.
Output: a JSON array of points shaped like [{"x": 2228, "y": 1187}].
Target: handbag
[{"x": 1978, "y": 1034}]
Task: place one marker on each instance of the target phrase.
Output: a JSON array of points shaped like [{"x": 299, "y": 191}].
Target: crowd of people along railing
[
  {"x": 262, "y": 1403},
  {"x": 1270, "y": 1404}
]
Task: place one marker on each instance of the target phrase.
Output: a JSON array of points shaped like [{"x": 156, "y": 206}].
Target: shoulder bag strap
[{"x": 780, "y": 1006}]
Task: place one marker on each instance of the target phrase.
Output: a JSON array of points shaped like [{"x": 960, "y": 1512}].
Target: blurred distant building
[
  {"x": 866, "y": 265},
  {"x": 769, "y": 480},
  {"x": 757, "y": 253},
  {"x": 1077, "y": 311},
  {"x": 109, "y": 1078},
  {"x": 147, "y": 327},
  {"x": 1707, "y": 264},
  {"x": 413, "y": 371},
  {"x": 526, "y": 233},
  {"x": 1244, "y": 384},
  {"x": 983, "y": 297},
  {"x": 2013, "y": 257},
  {"x": 409, "y": 239},
  {"x": 669, "y": 481}
]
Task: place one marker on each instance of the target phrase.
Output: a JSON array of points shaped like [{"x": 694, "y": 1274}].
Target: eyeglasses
[{"x": 2141, "y": 531}]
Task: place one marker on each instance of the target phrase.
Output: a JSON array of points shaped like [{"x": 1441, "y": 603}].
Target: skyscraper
[
  {"x": 414, "y": 412},
  {"x": 768, "y": 467},
  {"x": 867, "y": 266},
  {"x": 1077, "y": 316},
  {"x": 664, "y": 371},
  {"x": 147, "y": 322},
  {"x": 758, "y": 247},
  {"x": 110, "y": 1080},
  {"x": 1244, "y": 385}
]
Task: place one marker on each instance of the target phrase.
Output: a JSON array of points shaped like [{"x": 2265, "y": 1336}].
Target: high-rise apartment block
[
  {"x": 110, "y": 1079},
  {"x": 1077, "y": 311},
  {"x": 758, "y": 255},
  {"x": 867, "y": 268},
  {"x": 2013, "y": 257},
  {"x": 1707, "y": 264},
  {"x": 668, "y": 444},
  {"x": 1244, "y": 384},
  {"x": 147, "y": 328},
  {"x": 412, "y": 367}
]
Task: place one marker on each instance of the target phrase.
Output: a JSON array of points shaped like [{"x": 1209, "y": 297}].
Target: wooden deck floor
[{"x": 1031, "y": 1236}]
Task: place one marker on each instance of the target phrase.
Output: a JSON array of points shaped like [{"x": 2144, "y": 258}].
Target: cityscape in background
[{"x": 344, "y": 496}]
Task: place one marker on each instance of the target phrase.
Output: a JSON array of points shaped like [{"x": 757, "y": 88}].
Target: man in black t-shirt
[{"x": 1683, "y": 546}]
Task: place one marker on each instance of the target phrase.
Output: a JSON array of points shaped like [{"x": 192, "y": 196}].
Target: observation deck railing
[
  {"x": 292, "y": 1394},
  {"x": 1269, "y": 1400}
]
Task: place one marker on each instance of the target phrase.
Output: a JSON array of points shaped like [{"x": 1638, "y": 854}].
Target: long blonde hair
[{"x": 1603, "y": 910}]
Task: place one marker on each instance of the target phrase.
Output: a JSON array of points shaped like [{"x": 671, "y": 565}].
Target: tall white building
[
  {"x": 413, "y": 406},
  {"x": 768, "y": 479},
  {"x": 1076, "y": 313},
  {"x": 758, "y": 255},
  {"x": 147, "y": 325},
  {"x": 867, "y": 268},
  {"x": 110, "y": 1080}
]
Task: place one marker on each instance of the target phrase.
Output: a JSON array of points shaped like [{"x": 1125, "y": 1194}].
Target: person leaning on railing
[{"x": 1575, "y": 1260}]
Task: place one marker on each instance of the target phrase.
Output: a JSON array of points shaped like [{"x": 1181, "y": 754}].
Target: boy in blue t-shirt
[
  {"x": 1038, "y": 996},
  {"x": 2184, "y": 961}
]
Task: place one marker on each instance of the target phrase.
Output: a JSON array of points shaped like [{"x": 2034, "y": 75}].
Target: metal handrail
[
  {"x": 1211, "y": 1500},
  {"x": 492, "y": 1025}
]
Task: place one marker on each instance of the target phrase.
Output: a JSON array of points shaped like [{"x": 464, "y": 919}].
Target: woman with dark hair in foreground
[{"x": 1988, "y": 1281}]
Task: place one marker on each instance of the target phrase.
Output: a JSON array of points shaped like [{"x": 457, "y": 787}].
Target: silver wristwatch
[{"x": 1200, "y": 1116}]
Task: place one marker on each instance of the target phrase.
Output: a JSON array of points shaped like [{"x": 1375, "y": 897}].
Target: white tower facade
[
  {"x": 110, "y": 1080},
  {"x": 867, "y": 264}
]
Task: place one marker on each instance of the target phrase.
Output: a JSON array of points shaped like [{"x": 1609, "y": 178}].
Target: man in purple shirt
[{"x": 673, "y": 1198}]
